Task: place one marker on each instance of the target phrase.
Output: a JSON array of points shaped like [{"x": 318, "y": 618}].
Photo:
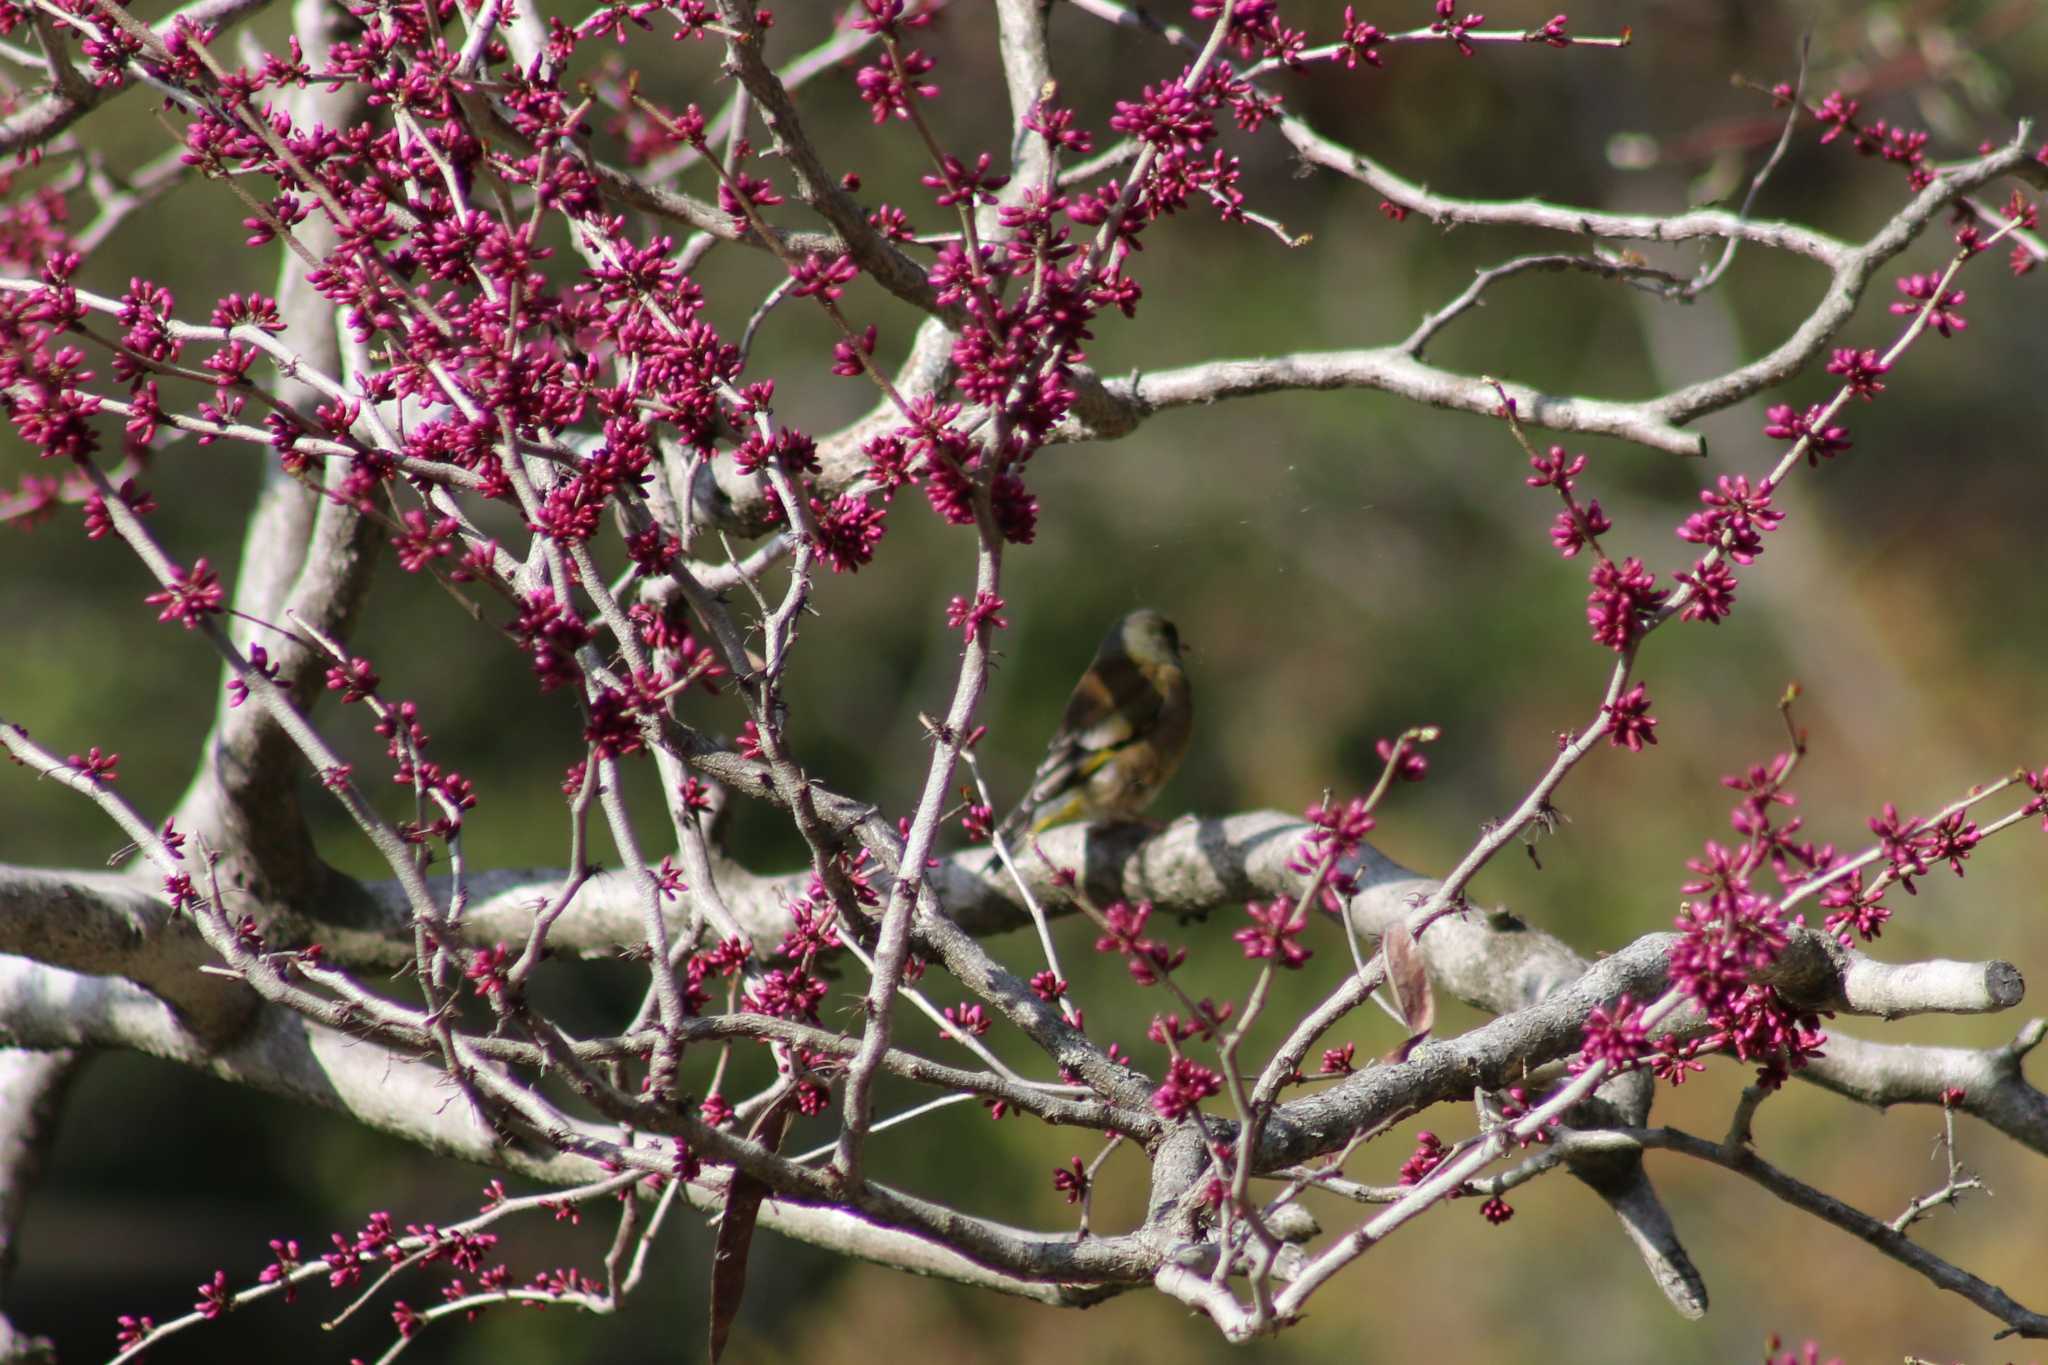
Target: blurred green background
[{"x": 1345, "y": 565}]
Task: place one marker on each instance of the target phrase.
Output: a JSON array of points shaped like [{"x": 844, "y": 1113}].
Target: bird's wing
[
  {"x": 1113, "y": 704},
  {"x": 1066, "y": 765}
]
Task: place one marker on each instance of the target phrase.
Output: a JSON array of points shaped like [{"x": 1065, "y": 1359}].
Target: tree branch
[{"x": 2019, "y": 1320}]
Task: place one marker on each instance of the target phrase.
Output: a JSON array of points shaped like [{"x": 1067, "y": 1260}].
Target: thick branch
[
  {"x": 1994, "y": 1087},
  {"x": 1027, "y": 74},
  {"x": 1489, "y": 959},
  {"x": 1388, "y": 369},
  {"x": 304, "y": 556},
  {"x": 105, "y": 923},
  {"x": 32, "y": 1090}
]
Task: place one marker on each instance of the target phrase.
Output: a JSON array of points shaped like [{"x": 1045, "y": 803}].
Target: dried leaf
[
  {"x": 1410, "y": 983},
  {"x": 743, "y": 1198}
]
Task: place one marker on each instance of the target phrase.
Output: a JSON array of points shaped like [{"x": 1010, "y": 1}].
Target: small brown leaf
[
  {"x": 743, "y": 1198},
  {"x": 1410, "y": 984}
]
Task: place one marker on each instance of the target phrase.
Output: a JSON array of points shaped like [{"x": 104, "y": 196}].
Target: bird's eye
[{"x": 1172, "y": 636}]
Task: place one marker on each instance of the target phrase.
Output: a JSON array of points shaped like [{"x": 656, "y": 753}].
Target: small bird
[{"x": 1125, "y": 730}]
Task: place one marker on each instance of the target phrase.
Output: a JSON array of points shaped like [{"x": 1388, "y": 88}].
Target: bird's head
[{"x": 1148, "y": 638}]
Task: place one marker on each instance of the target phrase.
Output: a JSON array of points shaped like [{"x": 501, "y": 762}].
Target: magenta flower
[
  {"x": 1574, "y": 526},
  {"x": 285, "y": 1254},
  {"x": 1941, "y": 312},
  {"x": 1859, "y": 371},
  {"x": 887, "y": 90},
  {"x": 1361, "y": 41},
  {"x": 1056, "y": 126},
  {"x": 95, "y": 765},
  {"x": 1629, "y": 722},
  {"x": 823, "y": 277},
  {"x": 1272, "y": 933},
  {"x": 1071, "y": 1180},
  {"x": 1737, "y": 512},
  {"x": 1410, "y": 764},
  {"x": 1187, "y": 1085},
  {"x": 1556, "y": 469},
  {"x": 1850, "y": 906},
  {"x": 1428, "y": 1155},
  {"x": 192, "y": 595},
  {"x": 971, "y": 618},
  {"x": 972, "y": 1019},
  {"x": 1622, "y": 596},
  {"x": 1822, "y": 442},
  {"x": 486, "y": 970},
  {"x": 214, "y": 1298},
  {"x": 1149, "y": 962},
  {"x": 1952, "y": 840},
  {"x": 1167, "y": 117},
  {"x": 1453, "y": 28},
  {"x": 1713, "y": 592},
  {"x": 1838, "y": 113},
  {"x": 1616, "y": 1037},
  {"x": 848, "y": 531},
  {"x": 1903, "y": 842}
]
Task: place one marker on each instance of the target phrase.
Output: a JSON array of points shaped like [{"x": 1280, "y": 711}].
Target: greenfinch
[{"x": 1125, "y": 730}]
